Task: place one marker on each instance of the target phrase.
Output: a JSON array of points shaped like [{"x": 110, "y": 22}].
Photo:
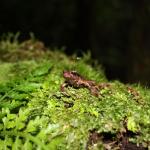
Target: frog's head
[{"x": 70, "y": 74}]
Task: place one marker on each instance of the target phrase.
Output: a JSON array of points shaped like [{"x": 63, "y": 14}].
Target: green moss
[{"x": 35, "y": 114}]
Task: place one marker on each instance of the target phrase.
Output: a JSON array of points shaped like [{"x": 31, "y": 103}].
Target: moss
[{"x": 35, "y": 114}]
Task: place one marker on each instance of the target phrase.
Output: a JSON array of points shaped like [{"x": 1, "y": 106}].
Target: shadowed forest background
[{"x": 116, "y": 32}]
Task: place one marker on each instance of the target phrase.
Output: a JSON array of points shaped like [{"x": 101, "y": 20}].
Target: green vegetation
[{"x": 35, "y": 114}]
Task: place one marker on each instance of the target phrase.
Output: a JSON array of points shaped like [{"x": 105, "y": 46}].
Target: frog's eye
[{"x": 74, "y": 72}]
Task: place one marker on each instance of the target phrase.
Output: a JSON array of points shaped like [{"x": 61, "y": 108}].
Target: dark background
[{"x": 117, "y": 32}]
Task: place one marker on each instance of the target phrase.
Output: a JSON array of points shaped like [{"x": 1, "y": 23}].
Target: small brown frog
[{"x": 76, "y": 80}]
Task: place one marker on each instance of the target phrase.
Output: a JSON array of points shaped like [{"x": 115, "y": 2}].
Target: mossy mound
[{"x": 35, "y": 114}]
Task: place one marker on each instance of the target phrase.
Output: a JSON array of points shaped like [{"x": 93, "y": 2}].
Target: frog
[{"x": 74, "y": 79}]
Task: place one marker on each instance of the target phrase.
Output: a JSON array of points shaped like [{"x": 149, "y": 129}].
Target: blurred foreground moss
[{"x": 35, "y": 114}]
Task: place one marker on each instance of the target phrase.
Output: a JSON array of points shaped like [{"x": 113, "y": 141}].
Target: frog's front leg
[{"x": 62, "y": 88}]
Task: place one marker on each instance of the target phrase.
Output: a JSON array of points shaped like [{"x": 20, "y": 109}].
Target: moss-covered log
[{"x": 36, "y": 114}]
